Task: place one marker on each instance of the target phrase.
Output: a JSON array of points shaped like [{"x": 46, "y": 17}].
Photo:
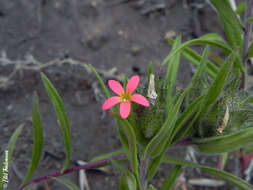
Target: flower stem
[
  {"x": 143, "y": 173},
  {"x": 246, "y": 39},
  {"x": 71, "y": 170}
]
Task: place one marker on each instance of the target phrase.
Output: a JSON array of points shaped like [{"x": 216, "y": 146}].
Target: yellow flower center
[{"x": 124, "y": 97}]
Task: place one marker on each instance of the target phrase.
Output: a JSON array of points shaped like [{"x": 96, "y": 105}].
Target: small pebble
[
  {"x": 168, "y": 35},
  {"x": 135, "y": 50}
]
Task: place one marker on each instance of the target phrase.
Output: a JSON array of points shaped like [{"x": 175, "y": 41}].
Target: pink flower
[{"x": 125, "y": 97}]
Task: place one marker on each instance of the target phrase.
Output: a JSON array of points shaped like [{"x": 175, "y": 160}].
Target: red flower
[{"x": 125, "y": 97}]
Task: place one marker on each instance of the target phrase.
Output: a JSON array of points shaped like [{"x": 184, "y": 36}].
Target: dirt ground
[{"x": 121, "y": 35}]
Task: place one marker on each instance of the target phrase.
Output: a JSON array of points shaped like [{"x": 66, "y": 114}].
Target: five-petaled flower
[{"x": 125, "y": 97}]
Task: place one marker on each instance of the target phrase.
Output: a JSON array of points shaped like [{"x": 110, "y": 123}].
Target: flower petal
[
  {"x": 139, "y": 99},
  {"x": 110, "y": 102},
  {"x": 116, "y": 87},
  {"x": 125, "y": 108},
  {"x": 132, "y": 83}
]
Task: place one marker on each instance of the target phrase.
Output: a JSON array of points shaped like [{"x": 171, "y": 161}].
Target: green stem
[
  {"x": 246, "y": 38},
  {"x": 143, "y": 173}
]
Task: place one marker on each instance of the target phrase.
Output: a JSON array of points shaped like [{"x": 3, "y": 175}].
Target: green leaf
[
  {"x": 241, "y": 7},
  {"x": 61, "y": 115},
  {"x": 7, "y": 155},
  {"x": 225, "y": 143},
  {"x": 174, "y": 136},
  {"x": 131, "y": 182},
  {"x": 70, "y": 185},
  {"x": 37, "y": 140},
  {"x": 100, "y": 80},
  {"x": 224, "y": 158},
  {"x": 211, "y": 39},
  {"x": 108, "y": 155},
  {"x": 236, "y": 181},
  {"x": 129, "y": 145},
  {"x": 185, "y": 121},
  {"x": 127, "y": 181},
  {"x": 151, "y": 187},
  {"x": 172, "y": 177},
  {"x": 171, "y": 74},
  {"x": 150, "y": 70},
  {"x": 202, "y": 65},
  {"x": 218, "y": 84},
  {"x": 249, "y": 99},
  {"x": 232, "y": 25},
  {"x": 123, "y": 183},
  {"x": 250, "y": 19},
  {"x": 250, "y": 50},
  {"x": 158, "y": 142},
  {"x": 216, "y": 59},
  {"x": 195, "y": 58},
  {"x": 124, "y": 79},
  {"x": 153, "y": 165},
  {"x": 119, "y": 167},
  {"x": 123, "y": 138},
  {"x": 129, "y": 132},
  {"x": 12, "y": 142}
]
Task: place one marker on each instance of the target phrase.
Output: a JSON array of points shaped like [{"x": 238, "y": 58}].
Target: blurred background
[{"x": 59, "y": 38}]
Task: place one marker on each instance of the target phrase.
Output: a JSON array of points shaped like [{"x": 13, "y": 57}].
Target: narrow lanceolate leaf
[
  {"x": 241, "y": 7},
  {"x": 171, "y": 135},
  {"x": 225, "y": 143},
  {"x": 61, "y": 115},
  {"x": 193, "y": 109},
  {"x": 123, "y": 138},
  {"x": 157, "y": 144},
  {"x": 224, "y": 158},
  {"x": 172, "y": 177},
  {"x": 7, "y": 155},
  {"x": 123, "y": 185},
  {"x": 124, "y": 80},
  {"x": 182, "y": 125},
  {"x": 150, "y": 69},
  {"x": 69, "y": 184},
  {"x": 202, "y": 65},
  {"x": 37, "y": 140},
  {"x": 108, "y": 155},
  {"x": 132, "y": 143},
  {"x": 127, "y": 181},
  {"x": 154, "y": 165},
  {"x": 219, "y": 83},
  {"x": 171, "y": 74},
  {"x": 195, "y": 58},
  {"x": 232, "y": 25},
  {"x": 236, "y": 181},
  {"x": 250, "y": 50},
  {"x": 250, "y": 19},
  {"x": 216, "y": 58},
  {"x": 211, "y": 39}
]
